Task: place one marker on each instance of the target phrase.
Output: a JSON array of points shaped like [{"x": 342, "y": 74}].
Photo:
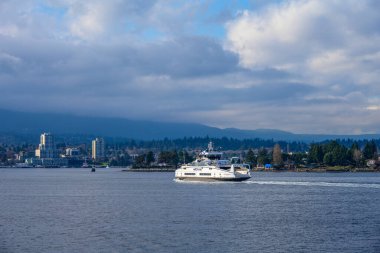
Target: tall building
[
  {"x": 98, "y": 149},
  {"x": 46, "y": 148},
  {"x": 47, "y": 155}
]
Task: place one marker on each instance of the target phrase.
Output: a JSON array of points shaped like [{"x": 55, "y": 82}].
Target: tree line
[
  {"x": 200, "y": 142},
  {"x": 333, "y": 153},
  {"x": 320, "y": 154}
]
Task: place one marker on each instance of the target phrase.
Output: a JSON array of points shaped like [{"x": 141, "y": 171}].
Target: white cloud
[
  {"x": 335, "y": 39},
  {"x": 373, "y": 108},
  {"x": 9, "y": 58},
  {"x": 333, "y": 46},
  {"x": 90, "y": 23},
  {"x": 9, "y": 30}
]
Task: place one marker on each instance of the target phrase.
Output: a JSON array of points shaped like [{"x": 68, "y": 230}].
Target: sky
[{"x": 305, "y": 66}]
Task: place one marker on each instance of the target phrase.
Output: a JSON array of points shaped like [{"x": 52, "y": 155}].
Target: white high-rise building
[
  {"x": 72, "y": 152},
  {"x": 47, "y": 155},
  {"x": 98, "y": 149},
  {"x": 46, "y": 148}
]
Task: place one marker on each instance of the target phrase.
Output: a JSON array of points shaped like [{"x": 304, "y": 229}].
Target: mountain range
[{"x": 35, "y": 123}]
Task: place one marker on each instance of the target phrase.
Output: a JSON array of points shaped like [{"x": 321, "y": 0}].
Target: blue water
[{"x": 73, "y": 210}]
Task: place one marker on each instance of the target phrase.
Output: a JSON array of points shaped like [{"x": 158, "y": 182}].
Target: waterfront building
[
  {"x": 98, "y": 149},
  {"x": 47, "y": 154},
  {"x": 47, "y": 162},
  {"x": 20, "y": 156},
  {"x": 72, "y": 152},
  {"x": 46, "y": 148}
]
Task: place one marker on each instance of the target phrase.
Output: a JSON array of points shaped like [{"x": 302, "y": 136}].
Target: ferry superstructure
[{"x": 210, "y": 166}]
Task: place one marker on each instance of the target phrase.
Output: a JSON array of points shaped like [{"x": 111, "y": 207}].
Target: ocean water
[{"x": 74, "y": 210}]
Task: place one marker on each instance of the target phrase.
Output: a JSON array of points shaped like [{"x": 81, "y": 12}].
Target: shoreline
[
  {"x": 171, "y": 169},
  {"x": 149, "y": 170},
  {"x": 319, "y": 170}
]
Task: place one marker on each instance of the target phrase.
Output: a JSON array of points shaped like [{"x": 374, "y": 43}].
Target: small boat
[
  {"x": 93, "y": 169},
  {"x": 210, "y": 166},
  {"x": 85, "y": 164}
]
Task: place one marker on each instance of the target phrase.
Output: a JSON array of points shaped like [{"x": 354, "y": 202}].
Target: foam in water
[
  {"x": 326, "y": 184},
  {"x": 203, "y": 182},
  {"x": 288, "y": 183}
]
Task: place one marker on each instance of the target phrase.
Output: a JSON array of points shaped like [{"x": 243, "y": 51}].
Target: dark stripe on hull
[{"x": 211, "y": 179}]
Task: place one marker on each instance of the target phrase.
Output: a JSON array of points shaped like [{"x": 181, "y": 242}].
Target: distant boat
[{"x": 85, "y": 164}]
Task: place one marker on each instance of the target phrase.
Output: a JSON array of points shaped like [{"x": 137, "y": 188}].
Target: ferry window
[
  {"x": 190, "y": 174},
  {"x": 205, "y": 174}
]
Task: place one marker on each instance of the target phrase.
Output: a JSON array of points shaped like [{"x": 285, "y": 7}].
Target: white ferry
[{"x": 210, "y": 166}]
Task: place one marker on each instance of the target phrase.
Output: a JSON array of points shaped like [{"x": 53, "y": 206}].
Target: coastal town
[{"x": 333, "y": 155}]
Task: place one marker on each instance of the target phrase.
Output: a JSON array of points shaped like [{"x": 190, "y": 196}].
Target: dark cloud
[
  {"x": 182, "y": 57},
  {"x": 92, "y": 59}
]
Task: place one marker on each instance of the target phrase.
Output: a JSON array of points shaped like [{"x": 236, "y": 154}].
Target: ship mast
[{"x": 210, "y": 146}]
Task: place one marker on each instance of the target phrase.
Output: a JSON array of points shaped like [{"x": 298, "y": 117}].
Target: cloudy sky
[{"x": 304, "y": 66}]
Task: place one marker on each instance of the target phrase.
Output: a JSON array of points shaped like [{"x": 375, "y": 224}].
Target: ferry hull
[{"x": 213, "y": 179}]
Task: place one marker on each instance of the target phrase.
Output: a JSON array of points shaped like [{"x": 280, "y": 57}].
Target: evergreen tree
[
  {"x": 150, "y": 158},
  {"x": 168, "y": 157},
  {"x": 315, "y": 154},
  {"x": 298, "y": 158},
  {"x": 140, "y": 160},
  {"x": 370, "y": 150},
  {"x": 355, "y": 146},
  {"x": 250, "y": 158},
  {"x": 262, "y": 157},
  {"x": 351, "y": 152},
  {"x": 329, "y": 147},
  {"x": 328, "y": 158},
  {"x": 335, "y": 154},
  {"x": 164, "y": 157},
  {"x": 340, "y": 155},
  {"x": 174, "y": 158}
]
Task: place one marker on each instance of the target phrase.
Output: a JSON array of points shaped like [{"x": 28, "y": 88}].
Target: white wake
[{"x": 326, "y": 184}]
